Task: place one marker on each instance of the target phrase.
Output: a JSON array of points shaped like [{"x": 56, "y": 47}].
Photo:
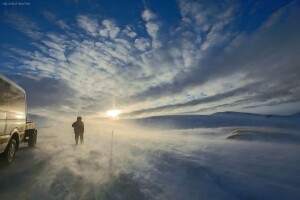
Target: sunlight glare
[{"x": 113, "y": 113}]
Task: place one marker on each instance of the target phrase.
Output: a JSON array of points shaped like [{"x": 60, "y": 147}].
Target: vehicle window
[
  {"x": 16, "y": 100},
  {"x": 3, "y": 94}
]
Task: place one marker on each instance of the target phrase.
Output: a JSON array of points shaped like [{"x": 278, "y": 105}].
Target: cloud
[
  {"x": 23, "y": 24},
  {"x": 278, "y": 15},
  {"x": 110, "y": 29},
  {"x": 152, "y": 70},
  {"x": 63, "y": 25},
  {"x": 90, "y": 25},
  {"x": 204, "y": 15},
  {"x": 49, "y": 15},
  {"x": 152, "y": 27},
  {"x": 246, "y": 90},
  {"x": 129, "y": 32},
  {"x": 263, "y": 56},
  {"x": 142, "y": 44},
  {"x": 147, "y": 15},
  {"x": 46, "y": 92}
]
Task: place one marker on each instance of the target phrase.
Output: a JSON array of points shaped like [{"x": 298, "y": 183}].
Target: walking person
[{"x": 78, "y": 130}]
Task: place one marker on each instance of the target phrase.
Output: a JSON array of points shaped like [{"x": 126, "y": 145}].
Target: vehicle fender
[{"x": 15, "y": 133}]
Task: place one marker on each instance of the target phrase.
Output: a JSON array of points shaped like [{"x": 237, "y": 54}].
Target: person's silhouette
[{"x": 78, "y": 130}]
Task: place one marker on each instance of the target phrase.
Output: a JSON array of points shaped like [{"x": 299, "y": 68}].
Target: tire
[
  {"x": 10, "y": 151},
  {"x": 32, "y": 139}
]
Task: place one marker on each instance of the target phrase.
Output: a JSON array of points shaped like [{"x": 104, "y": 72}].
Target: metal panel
[
  {"x": 3, "y": 94},
  {"x": 13, "y": 107},
  {"x": 3, "y": 105},
  {"x": 4, "y": 139},
  {"x": 2, "y": 122}
]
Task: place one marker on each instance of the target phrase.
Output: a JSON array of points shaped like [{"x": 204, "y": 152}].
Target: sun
[{"x": 113, "y": 113}]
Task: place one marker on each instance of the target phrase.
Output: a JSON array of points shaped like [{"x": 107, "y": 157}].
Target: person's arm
[{"x": 73, "y": 125}]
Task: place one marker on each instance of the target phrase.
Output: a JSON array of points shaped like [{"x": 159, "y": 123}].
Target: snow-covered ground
[{"x": 237, "y": 160}]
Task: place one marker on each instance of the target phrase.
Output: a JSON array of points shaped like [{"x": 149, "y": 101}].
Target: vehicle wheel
[
  {"x": 32, "y": 139},
  {"x": 10, "y": 151}
]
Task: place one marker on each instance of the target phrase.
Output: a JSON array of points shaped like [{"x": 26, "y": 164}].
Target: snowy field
[{"x": 228, "y": 156}]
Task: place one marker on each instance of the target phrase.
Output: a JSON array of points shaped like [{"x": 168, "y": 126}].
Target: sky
[{"x": 149, "y": 58}]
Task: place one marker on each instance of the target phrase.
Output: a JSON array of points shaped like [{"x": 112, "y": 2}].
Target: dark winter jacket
[{"x": 78, "y": 127}]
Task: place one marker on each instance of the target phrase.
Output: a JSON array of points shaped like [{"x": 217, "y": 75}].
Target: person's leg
[
  {"x": 81, "y": 138},
  {"x": 76, "y": 138}
]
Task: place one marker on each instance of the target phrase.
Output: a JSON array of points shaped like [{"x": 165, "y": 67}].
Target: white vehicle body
[{"x": 12, "y": 113}]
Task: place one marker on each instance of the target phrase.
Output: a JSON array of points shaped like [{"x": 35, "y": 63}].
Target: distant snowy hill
[{"x": 224, "y": 119}]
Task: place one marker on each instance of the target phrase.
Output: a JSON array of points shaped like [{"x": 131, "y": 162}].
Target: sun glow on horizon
[{"x": 113, "y": 113}]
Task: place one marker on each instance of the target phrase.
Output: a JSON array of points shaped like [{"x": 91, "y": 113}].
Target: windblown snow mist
[{"x": 136, "y": 162}]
